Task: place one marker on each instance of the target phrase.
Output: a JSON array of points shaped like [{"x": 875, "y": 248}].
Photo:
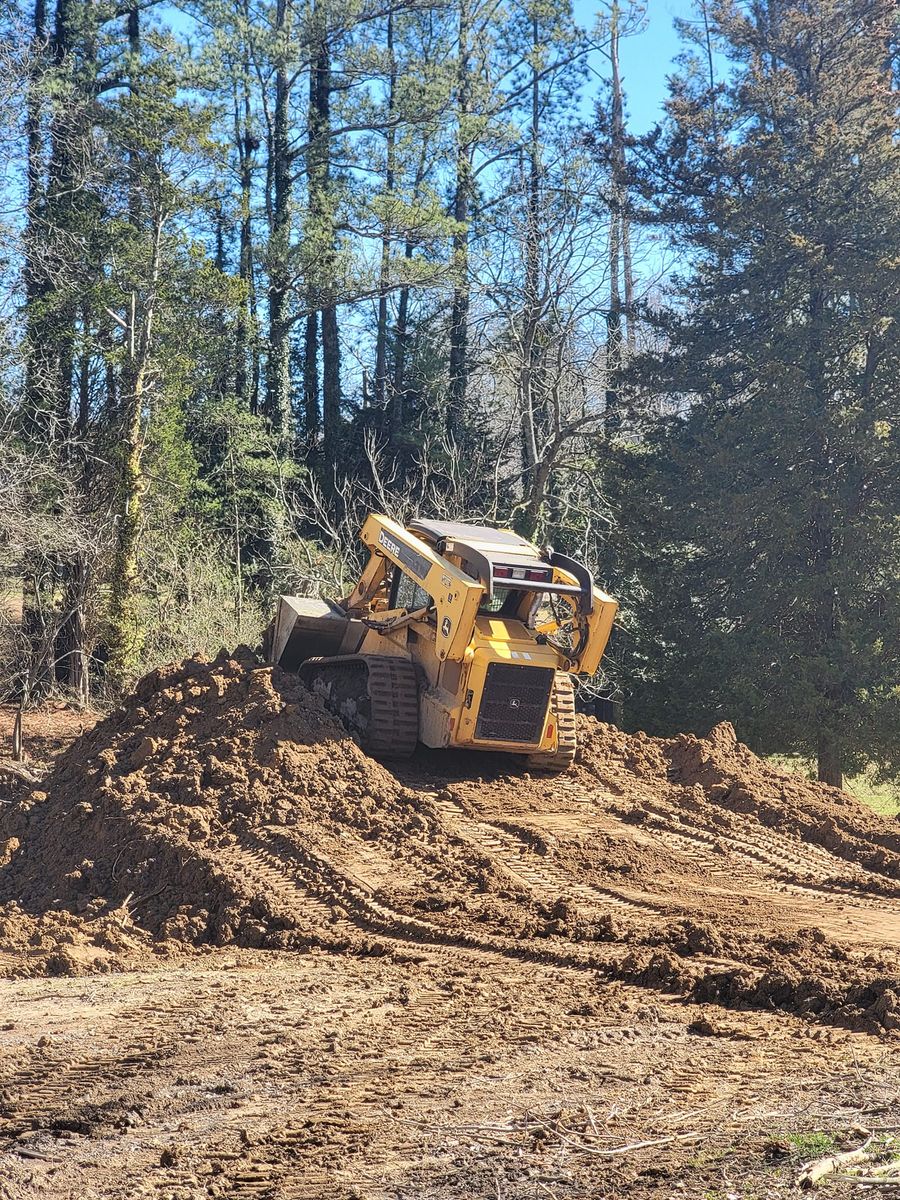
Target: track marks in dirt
[
  {"x": 800, "y": 866},
  {"x": 297, "y": 885},
  {"x": 695, "y": 865},
  {"x": 541, "y": 876},
  {"x": 52, "y": 1092}
]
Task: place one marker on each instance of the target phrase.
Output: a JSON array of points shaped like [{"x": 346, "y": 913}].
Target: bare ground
[{"x": 243, "y": 960}]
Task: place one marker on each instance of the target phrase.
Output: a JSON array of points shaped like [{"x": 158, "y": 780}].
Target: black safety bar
[{"x": 585, "y": 579}]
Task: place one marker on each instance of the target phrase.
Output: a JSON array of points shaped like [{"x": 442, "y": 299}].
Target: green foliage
[
  {"x": 197, "y": 206},
  {"x": 812, "y": 1144},
  {"x": 763, "y": 515}
]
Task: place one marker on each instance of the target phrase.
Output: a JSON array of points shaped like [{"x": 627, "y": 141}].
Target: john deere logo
[
  {"x": 515, "y": 703},
  {"x": 389, "y": 544},
  {"x": 446, "y": 626}
]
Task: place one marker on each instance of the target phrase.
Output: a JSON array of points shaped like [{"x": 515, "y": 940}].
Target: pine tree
[{"x": 771, "y": 547}]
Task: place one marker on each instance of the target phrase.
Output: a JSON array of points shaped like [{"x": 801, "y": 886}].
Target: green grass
[
  {"x": 811, "y": 1145},
  {"x": 883, "y": 798}
]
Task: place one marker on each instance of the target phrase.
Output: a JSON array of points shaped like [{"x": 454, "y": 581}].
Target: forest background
[{"x": 268, "y": 265}]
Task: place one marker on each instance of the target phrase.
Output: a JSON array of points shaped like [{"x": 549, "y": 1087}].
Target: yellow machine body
[{"x": 469, "y": 609}]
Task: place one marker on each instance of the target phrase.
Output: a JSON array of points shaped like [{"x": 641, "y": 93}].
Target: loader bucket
[{"x": 307, "y": 628}]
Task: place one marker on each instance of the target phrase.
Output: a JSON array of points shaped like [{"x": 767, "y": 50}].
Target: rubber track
[
  {"x": 562, "y": 707},
  {"x": 394, "y": 696},
  {"x": 393, "y": 692}
]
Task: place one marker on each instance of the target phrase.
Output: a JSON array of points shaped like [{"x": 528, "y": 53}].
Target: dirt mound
[
  {"x": 222, "y": 805},
  {"x": 202, "y": 801},
  {"x": 722, "y": 781},
  {"x": 60, "y": 943},
  {"x": 733, "y": 777}
]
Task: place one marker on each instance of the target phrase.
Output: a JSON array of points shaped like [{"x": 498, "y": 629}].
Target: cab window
[
  {"x": 503, "y": 603},
  {"x": 409, "y": 594}
]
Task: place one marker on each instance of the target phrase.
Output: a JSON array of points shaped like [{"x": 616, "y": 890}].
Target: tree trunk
[
  {"x": 628, "y": 282},
  {"x": 36, "y": 364},
  {"x": 459, "y": 309},
  {"x": 37, "y": 601},
  {"x": 401, "y": 326},
  {"x": 84, "y": 381},
  {"x": 620, "y": 190},
  {"x": 245, "y": 321},
  {"x": 53, "y": 333},
  {"x": 126, "y": 632},
  {"x": 829, "y": 761},
  {"x": 381, "y": 336},
  {"x": 531, "y": 317},
  {"x": 529, "y": 519},
  {"x": 311, "y": 378},
  {"x": 278, "y": 377},
  {"x": 612, "y": 415},
  {"x": 322, "y": 221},
  {"x": 331, "y": 384},
  {"x": 401, "y": 340},
  {"x": 311, "y": 334},
  {"x": 74, "y": 631}
]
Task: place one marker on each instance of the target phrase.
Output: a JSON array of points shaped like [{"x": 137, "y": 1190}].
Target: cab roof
[{"x": 482, "y": 537}]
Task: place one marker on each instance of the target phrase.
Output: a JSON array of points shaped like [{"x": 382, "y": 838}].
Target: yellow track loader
[{"x": 455, "y": 635}]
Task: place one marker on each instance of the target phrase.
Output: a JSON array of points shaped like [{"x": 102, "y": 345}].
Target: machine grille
[{"x": 514, "y": 703}]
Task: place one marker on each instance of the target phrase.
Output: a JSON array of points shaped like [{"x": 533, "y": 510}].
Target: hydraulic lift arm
[{"x": 456, "y": 595}]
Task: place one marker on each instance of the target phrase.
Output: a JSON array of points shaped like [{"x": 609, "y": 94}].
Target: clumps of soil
[
  {"x": 622, "y": 758},
  {"x": 722, "y": 782},
  {"x": 61, "y": 943},
  {"x": 798, "y": 983},
  {"x": 873, "y": 1004},
  {"x": 208, "y": 793},
  {"x": 694, "y": 937},
  {"x": 221, "y": 804},
  {"x": 735, "y": 779}
]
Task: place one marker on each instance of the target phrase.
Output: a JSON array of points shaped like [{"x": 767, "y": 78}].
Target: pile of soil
[
  {"x": 221, "y": 804},
  {"x": 161, "y": 807},
  {"x": 728, "y": 880},
  {"x": 720, "y": 779},
  {"x": 60, "y": 943},
  {"x": 735, "y": 779}
]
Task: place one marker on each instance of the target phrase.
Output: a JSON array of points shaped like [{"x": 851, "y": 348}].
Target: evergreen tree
[{"x": 770, "y": 549}]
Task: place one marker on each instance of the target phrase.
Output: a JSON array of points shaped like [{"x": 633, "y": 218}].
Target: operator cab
[{"x": 514, "y": 572}]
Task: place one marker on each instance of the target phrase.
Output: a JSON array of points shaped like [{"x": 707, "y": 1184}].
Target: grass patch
[
  {"x": 814, "y": 1144},
  {"x": 883, "y": 798}
]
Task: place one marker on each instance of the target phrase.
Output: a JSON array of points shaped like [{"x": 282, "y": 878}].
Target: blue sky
[{"x": 646, "y": 59}]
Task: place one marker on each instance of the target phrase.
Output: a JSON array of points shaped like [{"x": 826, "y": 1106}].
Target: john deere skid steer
[{"x": 455, "y": 635}]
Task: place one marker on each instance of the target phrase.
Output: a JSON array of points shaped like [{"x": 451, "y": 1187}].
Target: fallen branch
[
  {"x": 672, "y": 1137},
  {"x": 813, "y": 1172},
  {"x": 19, "y": 772},
  {"x": 870, "y": 1179}
]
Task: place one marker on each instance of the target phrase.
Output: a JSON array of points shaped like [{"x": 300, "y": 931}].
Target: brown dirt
[
  {"x": 531, "y": 966},
  {"x": 46, "y": 731}
]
